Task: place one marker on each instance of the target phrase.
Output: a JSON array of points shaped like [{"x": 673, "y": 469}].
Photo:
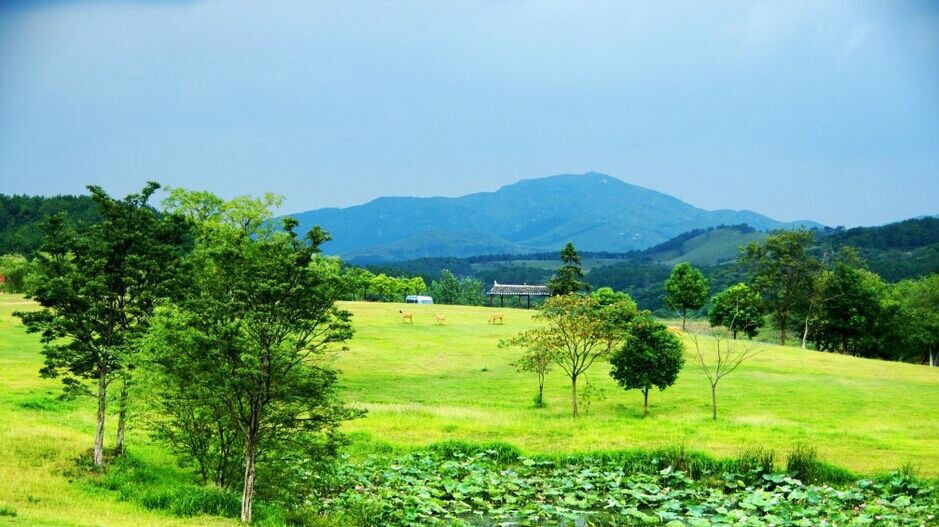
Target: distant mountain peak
[{"x": 596, "y": 211}]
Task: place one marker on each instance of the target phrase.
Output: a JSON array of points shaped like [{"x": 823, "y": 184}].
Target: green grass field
[{"x": 424, "y": 383}]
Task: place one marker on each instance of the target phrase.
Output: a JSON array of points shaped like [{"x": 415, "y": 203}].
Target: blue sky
[{"x": 820, "y": 110}]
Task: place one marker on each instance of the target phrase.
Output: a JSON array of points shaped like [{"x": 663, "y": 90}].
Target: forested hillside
[{"x": 22, "y": 216}]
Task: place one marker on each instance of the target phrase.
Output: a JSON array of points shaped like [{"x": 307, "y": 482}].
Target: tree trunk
[
  {"x": 714, "y": 401},
  {"x": 540, "y": 390},
  {"x": 247, "y": 495},
  {"x": 645, "y": 406},
  {"x": 805, "y": 333},
  {"x": 782, "y": 330},
  {"x": 122, "y": 415},
  {"x": 932, "y": 358},
  {"x": 574, "y": 395},
  {"x": 734, "y": 333},
  {"x": 683, "y": 321},
  {"x": 98, "y": 455}
]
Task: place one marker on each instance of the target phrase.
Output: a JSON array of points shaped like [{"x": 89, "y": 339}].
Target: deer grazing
[
  {"x": 406, "y": 316},
  {"x": 440, "y": 318},
  {"x": 498, "y": 316}
]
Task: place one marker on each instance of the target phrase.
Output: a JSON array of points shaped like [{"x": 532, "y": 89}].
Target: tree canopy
[{"x": 651, "y": 357}]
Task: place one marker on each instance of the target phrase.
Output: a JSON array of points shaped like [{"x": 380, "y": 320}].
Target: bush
[
  {"x": 501, "y": 452},
  {"x": 802, "y": 463},
  {"x": 755, "y": 462}
]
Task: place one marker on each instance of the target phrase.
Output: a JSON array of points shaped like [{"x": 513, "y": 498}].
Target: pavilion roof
[{"x": 509, "y": 289}]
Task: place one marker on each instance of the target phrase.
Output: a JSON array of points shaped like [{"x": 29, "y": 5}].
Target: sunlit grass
[{"x": 424, "y": 383}]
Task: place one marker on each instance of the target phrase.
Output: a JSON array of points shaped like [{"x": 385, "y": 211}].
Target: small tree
[
  {"x": 447, "y": 289},
  {"x": 652, "y": 356},
  {"x": 738, "y": 309},
  {"x": 98, "y": 287},
  {"x": 14, "y": 268},
  {"x": 538, "y": 362},
  {"x": 577, "y": 331},
  {"x": 569, "y": 278},
  {"x": 686, "y": 290},
  {"x": 725, "y": 357}
]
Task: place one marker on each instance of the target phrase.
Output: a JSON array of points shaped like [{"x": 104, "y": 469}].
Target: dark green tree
[
  {"x": 784, "y": 274},
  {"x": 919, "y": 300},
  {"x": 446, "y": 290},
  {"x": 651, "y": 357},
  {"x": 738, "y": 309},
  {"x": 850, "y": 306},
  {"x": 98, "y": 287},
  {"x": 569, "y": 278},
  {"x": 686, "y": 289},
  {"x": 250, "y": 345}
]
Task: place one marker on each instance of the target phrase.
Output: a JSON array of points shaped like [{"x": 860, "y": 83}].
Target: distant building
[
  {"x": 418, "y": 299},
  {"x": 525, "y": 290}
]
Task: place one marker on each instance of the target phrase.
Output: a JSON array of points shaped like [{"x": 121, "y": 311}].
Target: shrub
[
  {"x": 802, "y": 463},
  {"x": 755, "y": 462},
  {"x": 501, "y": 452}
]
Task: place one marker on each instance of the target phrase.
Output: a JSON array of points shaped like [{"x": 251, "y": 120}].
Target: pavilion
[{"x": 527, "y": 291}]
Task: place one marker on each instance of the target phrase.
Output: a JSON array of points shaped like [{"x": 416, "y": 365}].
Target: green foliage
[
  {"x": 802, "y": 463},
  {"x": 686, "y": 289},
  {"x": 578, "y": 330},
  {"x": 247, "y": 347},
  {"x": 918, "y": 300},
  {"x": 6, "y": 510},
  {"x": 569, "y": 278},
  {"x": 22, "y": 218},
  {"x": 446, "y": 290},
  {"x": 98, "y": 287},
  {"x": 738, "y": 308},
  {"x": 539, "y": 362},
  {"x": 651, "y": 357},
  {"x": 14, "y": 269},
  {"x": 427, "y": 489},
  {"x": 784, "y": 273}
]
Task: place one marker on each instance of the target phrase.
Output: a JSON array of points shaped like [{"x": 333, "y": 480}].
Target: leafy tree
[
  {"x": 569, "y": 278},
  {"x": 22, "y": 219},
  {"x": 358, "y": 282},
  {"x": 652, "y": 356},
  {"x": 98, "y": 288},
  {"x": 387, "y": 288},
  {"x": 850, "y": 307},
  {"x": 249, "y": 345},
  {"x": 685, "y": 290},
  {"x": 725, "y": 357},
  {"x": 783, "y": 272},
  {"x": 413, "y": 286},
  {"x": 14, "y": 268},
  {"x": 738, "y": 309},
  {"x": 447, "y": 289},
  {"x": 472, "y": 292},
  {"x": 539, "y": 362},
  {"x": 920, "y": 300},
  {"x": 620, "y": 306},
  {"x": 577, "y": 331}
]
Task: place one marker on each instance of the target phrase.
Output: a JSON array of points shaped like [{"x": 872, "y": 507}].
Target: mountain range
[{"x": 595, "y": 211}]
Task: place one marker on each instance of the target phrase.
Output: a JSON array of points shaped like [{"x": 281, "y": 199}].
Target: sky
[{"x": 822, "y": 110}]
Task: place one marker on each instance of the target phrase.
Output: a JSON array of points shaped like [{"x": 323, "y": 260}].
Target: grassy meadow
[{"x": 424, "y": 383}]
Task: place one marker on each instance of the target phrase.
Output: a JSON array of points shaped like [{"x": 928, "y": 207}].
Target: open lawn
[{"x": 424, "y": 382}]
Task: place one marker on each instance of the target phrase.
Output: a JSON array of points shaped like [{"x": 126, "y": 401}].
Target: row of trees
[
  {"x": 580, "y": 330},
  {"x": 219, "y": 319},
  {"x": 831, "y": 301}
]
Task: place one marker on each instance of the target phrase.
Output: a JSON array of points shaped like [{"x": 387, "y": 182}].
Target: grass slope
[
  {"x": 425, "y": 383},
  {"x": 42, "y": 436}
]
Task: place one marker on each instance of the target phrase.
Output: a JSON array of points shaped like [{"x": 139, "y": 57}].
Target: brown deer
[
  {"x": 440, "y": 318},
  {"x": 498, "y": 316},
  {"x": 674, "y": 331},
  {"x": 406, "y": 316}
]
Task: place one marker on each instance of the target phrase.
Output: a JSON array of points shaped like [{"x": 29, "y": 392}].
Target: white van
[{"x": 418, "y": 299}]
